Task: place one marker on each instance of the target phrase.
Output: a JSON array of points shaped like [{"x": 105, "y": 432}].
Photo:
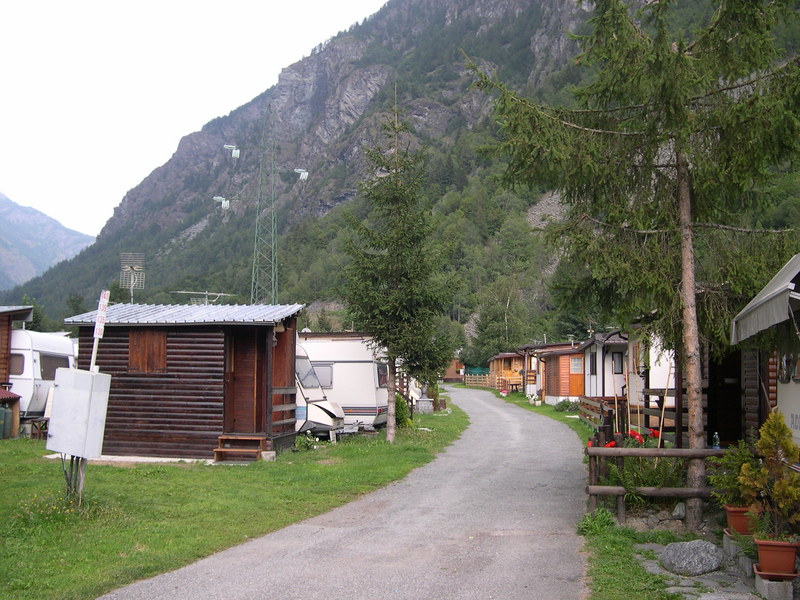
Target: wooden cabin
[
  {"x": 561, "y": 368},
  {"x": 454, "y": 372},
  {"x": 776, "y": 308},
  {"x": 9, "y": 314},
  {"x": 505, "y": 371},
  {"x": 195, "y": 381}
]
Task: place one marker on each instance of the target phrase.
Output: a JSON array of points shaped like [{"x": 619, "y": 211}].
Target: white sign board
[{"x": 78, "y": 415}]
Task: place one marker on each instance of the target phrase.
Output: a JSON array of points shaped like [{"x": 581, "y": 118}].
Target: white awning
[{"x": 772, "y": 305}]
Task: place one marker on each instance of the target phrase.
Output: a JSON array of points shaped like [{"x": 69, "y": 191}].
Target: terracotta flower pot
[
  {"x": 775, "y": 556},
  {"x": 738, "y": 520}
]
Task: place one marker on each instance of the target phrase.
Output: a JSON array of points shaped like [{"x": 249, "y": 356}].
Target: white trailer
[
  {"x": 315, "y": 413},
  {"x": 352, "y": 374},
  {"x": 35, "y": 356}
]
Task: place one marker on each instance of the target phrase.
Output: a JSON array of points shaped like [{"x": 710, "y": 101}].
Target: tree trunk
[
  {"x": 691, "y": 341},
  {"x": 391, "y": 384}
]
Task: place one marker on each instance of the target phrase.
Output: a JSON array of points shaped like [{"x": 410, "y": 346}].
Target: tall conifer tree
[
  {"x": 392, "y": 285},
  {"x": 661, "y": 161}
]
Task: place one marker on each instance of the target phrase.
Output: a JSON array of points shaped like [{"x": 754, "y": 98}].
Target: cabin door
[{"x": 245, "y": 376}]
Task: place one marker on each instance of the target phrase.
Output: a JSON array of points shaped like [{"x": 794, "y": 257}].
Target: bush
[
  {"x": 596, "y": 522},
  {"x": 569, "y": 406},
  {"x": 401, "y": 415}
]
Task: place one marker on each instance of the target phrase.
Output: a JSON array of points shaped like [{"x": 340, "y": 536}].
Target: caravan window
[
  {"x": 324, "y": 374},
  {"x": 17, "y": 364},
  {"x": 48, "y": 363},
  {"x": 305, "y": 373},
  {"x": 383, "y": 375}
]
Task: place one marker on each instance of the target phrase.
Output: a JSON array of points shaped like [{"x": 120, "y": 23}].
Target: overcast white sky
[{"x": 95, "y": 94}]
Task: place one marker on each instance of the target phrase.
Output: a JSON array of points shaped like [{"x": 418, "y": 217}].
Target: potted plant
[
  {"x": 773, "y": 491},
  {"x": 724, "y": 478}
]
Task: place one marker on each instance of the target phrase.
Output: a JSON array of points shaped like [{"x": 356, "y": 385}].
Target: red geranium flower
[
  {"x": 610, "y": 444},
  {"x": 654, "y": 433}
]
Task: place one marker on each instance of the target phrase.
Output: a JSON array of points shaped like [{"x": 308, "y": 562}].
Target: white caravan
[
  {"x": 315, "y": 413},
  {"x": 35, "y": 356},
  {"x": 351, "y": 374}
]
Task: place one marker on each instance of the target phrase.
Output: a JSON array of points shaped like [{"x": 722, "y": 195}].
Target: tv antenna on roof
[
  {"x": 204, "y": 298},
  {"x": 131, "y": 272}
]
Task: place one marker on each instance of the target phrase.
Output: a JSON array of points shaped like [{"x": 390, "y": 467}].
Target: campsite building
[{"x": 196, "y": 381}]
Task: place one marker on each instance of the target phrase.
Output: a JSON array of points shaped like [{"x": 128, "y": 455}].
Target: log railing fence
[{"x": 599, "y": 454}]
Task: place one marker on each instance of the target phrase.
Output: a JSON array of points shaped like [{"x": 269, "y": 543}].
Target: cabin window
[
  {"x": 48, "y": 363},
  {"x": 324, "y": 374},
  {"x": 147, "y": 351},
  {"x": 383, "y": 375},
  {"x": 17, "y": 364},
  {"x": 592, "y": 363},
  {"x": 576, "y": 365},
  {"x": 616, "y": 360}
]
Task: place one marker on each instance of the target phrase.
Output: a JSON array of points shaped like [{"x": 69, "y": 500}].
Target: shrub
[
  {"x": 596, "y": 522},
  {"x": 567, "y": 406},
  {"x": 402, "y": 415}
]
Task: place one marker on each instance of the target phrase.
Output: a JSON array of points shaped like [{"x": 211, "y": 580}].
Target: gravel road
[{"x": 492, "y": 517}]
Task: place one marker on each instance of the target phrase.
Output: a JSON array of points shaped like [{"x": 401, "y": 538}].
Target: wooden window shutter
[{"x": 147, "y": 351}]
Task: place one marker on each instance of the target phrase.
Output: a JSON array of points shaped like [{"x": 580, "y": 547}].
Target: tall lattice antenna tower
[
  {"x": 131, "y": 271},
  {"x": 264, "y": 284}
]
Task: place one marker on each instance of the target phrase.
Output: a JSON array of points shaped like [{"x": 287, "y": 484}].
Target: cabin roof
[
  {"x": 189, "y": 314},
  {"x": 22, "y": 313}
]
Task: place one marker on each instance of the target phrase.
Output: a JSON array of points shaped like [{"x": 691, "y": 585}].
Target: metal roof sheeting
[{"x": 190, "y": 314}]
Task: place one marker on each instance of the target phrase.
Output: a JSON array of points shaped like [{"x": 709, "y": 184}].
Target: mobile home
[
  {"x": 352, "y": 375},
  {"x": 315, "y": 413},
  {"x": 33, "y": 361}
]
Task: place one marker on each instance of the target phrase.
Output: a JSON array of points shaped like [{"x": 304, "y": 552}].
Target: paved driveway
[{"x": 492, "y": 517}]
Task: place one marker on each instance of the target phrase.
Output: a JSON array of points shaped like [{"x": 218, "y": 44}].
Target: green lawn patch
[{"x": 139, "y": 521}]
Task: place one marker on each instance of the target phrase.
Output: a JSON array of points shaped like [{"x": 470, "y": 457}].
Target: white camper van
[
  {"x": 351, "y": 374},
  {"x": 315, "y": 413},
  {"x": 35, "y": 356}
]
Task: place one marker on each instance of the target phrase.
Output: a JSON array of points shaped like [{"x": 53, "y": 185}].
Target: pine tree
[
  {"x": 392, "y": 286},
  {"x": 661, "y": 161}
]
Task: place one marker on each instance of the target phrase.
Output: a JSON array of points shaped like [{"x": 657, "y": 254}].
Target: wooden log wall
[
  {"x": 5, "y": 347},
  {"x": 176, "y": 413}
]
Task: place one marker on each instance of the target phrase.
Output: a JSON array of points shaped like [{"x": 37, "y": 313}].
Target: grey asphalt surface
[{"x": 493, "y": 516}]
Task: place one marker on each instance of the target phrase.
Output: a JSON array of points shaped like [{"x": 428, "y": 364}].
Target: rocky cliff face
[
  {"x": 326, "y": 107},
  {"x": 322, "y": 113}
]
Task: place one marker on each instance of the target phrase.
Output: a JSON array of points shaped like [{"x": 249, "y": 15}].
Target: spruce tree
[
  {"x": 392, "y": 285},
  {"x": 660, "y": 165}
]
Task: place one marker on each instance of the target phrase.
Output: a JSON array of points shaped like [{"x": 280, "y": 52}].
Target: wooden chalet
[
  {"x": 561, "y": 372},
  {"x": 505, "y": 371},
  {"x": 196, "y": 381},
  {"x": 9, "y": 314},
  {"x": 454, "y": 372},
  {"x": 776, "y": 308}
]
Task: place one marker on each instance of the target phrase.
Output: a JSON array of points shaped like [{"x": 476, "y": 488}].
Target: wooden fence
[
  {"x": 597, "y": 468},
  {"x": 612, "y": 414},
  {"x": 500, "y": 382}
]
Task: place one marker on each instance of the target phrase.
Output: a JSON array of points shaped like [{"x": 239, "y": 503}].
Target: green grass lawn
[{"x": 138, "y": 521}]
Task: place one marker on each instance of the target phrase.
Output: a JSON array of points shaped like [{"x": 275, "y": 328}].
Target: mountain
[
  {"x": 322, "y": 113},
  {"x": 32, "y": 242}
]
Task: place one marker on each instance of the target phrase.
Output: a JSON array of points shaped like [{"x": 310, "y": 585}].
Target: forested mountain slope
[{"x": 411, "y": 56}]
